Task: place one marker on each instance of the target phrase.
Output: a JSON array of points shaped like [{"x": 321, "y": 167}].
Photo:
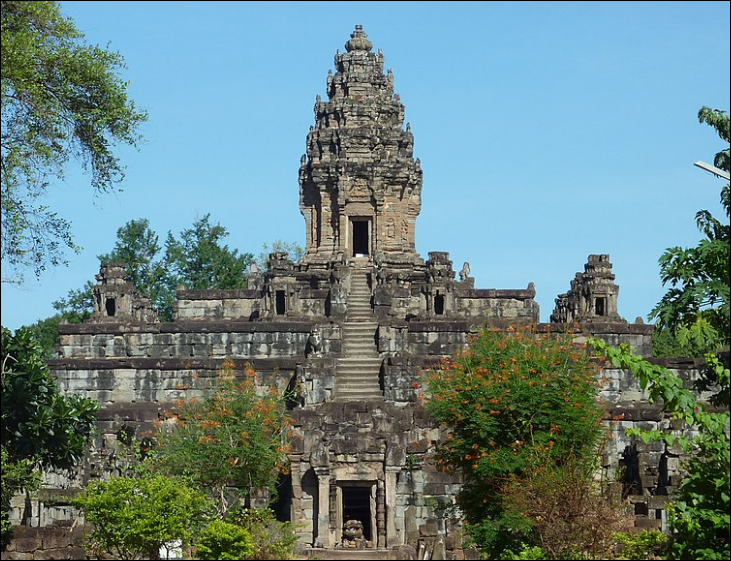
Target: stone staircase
[
  {"x": 359, "y": 554},
  {"x": 358, "y": 371}
]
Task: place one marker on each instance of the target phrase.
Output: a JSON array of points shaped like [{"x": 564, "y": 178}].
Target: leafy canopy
[
  {"x": 696, "y": 306},
  {"x": 514, "y": 403},
  {"x": 197, "y": 258},
  {"x": 696, "y": 309},
  {"x": 38, "y": 422},
  {"x": 234, "y": 438},
  {"x": 133, "y": 518},
  {"x": 39, "y": 425},
  {"x": 199, "y": 261},
  {"x": 62, "y": 100}
]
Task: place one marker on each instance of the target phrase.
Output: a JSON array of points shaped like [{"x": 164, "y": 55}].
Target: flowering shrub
[
  {"x": 234, "y": 440},
  {"x": 514, "y": 403}
]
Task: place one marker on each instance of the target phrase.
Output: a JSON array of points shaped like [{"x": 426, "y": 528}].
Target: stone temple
[{"x": 352, "y": 328}]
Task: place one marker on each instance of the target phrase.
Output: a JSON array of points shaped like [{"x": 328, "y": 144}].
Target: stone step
[
  {"x": 365, "y": 333},
  {"x": 344, "y": 553},
  {"x": 358, "y": 396},
  {"x": 356, "y": 360},
  {"x": 361, "y": 325},
  {"x": 357, "y": 379},
  {"x": 364, "y": 309},
  {"x": 360, "y": 318},
  {"x": 366, "y": 352},
  {"x": 359, "y": 346},
  {"x": 360, "y": 351},
  {"x": 346, "y": 373},
  {"x": 358, "y": 387},
  {"x": 368, "y": 336}
]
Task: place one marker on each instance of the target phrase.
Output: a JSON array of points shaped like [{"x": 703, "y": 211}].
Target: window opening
[
  {"x": 439, "y": 304},
  {"x": 281, "y": 303}
]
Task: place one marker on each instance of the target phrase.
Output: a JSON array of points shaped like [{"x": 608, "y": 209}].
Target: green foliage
[
  {"x": 526, "y": 553},
  {"x": 666, "y": 344},
  {"x": 696, "y": 311},
  {"x": 718, "y": 119},
  {"x": 700, "y": 515},
  {"x": 45, "y": 332},
  {"x": 75, "y": 308},
  {"x": 78, "y": 305},
  {"x": 648, "y": 544},
  {"x": 232, "y": 439},
  {"x": 696, "y": 305},
  {"x": 295, "y": 251},
  {"x": 137, "y": 248},
  {"x": 272, "y": 539},
  {"x": 37, "y": 421},
  {"x": 16, "y": 476},
  {"x": 570, "y": 514},
  {"x": 514, "y": 402},
  {"x": 199, "y": 261},
  {"x": 61, "y": 100},
  {"x": 223, "y": 540},
  {"x": 133, "y": 518}
]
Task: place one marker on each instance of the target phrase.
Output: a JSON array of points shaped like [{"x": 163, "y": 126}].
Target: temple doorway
[
  {"x": 357, "y": 506},
  {"x": 360, "y": 237}
]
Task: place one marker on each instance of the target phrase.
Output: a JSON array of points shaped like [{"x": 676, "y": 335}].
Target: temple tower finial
[
  {"x": 360, "y": 186},
  {"x": 358, "y": 41}
]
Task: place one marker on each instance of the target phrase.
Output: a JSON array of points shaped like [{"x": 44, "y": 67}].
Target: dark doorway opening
[
  {"x": 599, "y": 307},
  {"x": 357, "y": 506},
  {"x": 281, "y": 303},
  {"x": 282, "y": 504},
  {"x": 360, "y": 238},
  {"x": 439, "y": 304},
  {"x": 111, "y": 306}
]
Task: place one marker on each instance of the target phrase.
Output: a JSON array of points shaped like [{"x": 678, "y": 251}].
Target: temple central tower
[{"x": 360, "y": 187}]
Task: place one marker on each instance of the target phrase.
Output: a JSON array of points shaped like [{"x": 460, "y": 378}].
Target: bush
[
  {"x": 223, "y": 540},
  {"x": 231, "y": 442},
  {"x": 515, "y": 403},
  {"x": 272, "y": 539},
  {"x": 648, "y": 544},
  {"x": 132, "y": 518}
]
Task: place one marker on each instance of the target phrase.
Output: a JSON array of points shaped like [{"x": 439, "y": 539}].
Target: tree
[
  {"x": 138, "y": 248},
  {"x": 38, "y": 423},
  {"x": 699, "y": 516},
  {"x": 135, "y": 517},
  {"x": 199, "y": 261},
  {"x": 40, "y": 427},
  {"x": 61, "y": 100},
  {"x": 16, "y": 477},
  {"x": 521, "y": 410},
  {"x": 232, "y": 439},
  {"x": 293, "y": 249},
  {"x": 696, "y": 308}
]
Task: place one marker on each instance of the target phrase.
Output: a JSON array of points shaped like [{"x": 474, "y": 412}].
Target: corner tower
[{"x": 360, "y": 186}]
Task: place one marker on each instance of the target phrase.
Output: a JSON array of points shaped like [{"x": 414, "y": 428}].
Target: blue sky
[{"x": 547, "y": 131}]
